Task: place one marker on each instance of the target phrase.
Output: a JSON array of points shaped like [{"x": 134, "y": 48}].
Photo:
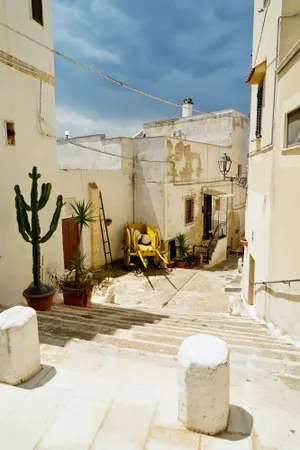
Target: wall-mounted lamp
[{"x": 225, "y": 163}]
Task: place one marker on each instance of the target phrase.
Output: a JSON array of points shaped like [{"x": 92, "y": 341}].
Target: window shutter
[
  {"x": 259, "y": 109},
  {"x": 37, "y": 11}
]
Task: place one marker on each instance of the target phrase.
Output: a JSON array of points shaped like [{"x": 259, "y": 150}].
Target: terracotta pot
[
  {"x": 74, "y": 297},
  {"x": 181, "y": 264},
  {"x": 244, "y": 242},
  {"x": 170, "y": 264},
  {"x": 41, "y": 302},
  {"x": 108, "y": 222}
]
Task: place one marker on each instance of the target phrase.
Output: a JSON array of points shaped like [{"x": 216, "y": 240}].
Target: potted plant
[
  {"x": 77, "y": 285},
  {"x": 182, "y": 250},
  {"x": 38, "y": 295}
]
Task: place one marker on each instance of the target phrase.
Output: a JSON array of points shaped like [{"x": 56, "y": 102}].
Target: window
[
  {"x": 37, "y": 11},
  {"x": 293, "y": 128},
  {"x": 217, "y": 204},
  {"x": 260, "y": 92},
  {"x": 240, "y": 168},
  {"x": 10, "y": 133},
  {"x": 189, "y": 210}
]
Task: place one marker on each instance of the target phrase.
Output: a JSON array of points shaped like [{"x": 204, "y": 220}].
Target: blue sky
[{"x": 170, "y": 48}]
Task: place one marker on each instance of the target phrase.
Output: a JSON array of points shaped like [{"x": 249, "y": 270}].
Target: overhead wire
[
  {"x": 75, "y": 143},
  {"x": 261, "y": 33},
  {"x": 96, "y": 72}
]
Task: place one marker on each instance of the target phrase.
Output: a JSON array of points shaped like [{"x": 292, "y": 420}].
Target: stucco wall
[
  {"x": 161, "y": 189},
  {"x": 114, "y": 180},
  {"x": 272, "y": 212},
  {"x": 18, "y": 15},
  {"x": 150, "y": 201},
  {"x": 19, "y": 102}
]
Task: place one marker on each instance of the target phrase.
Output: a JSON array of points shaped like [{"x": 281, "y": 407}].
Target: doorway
[
  {"x": 251, "y": 280},
  {"x": 70, "y": 240},
  {"x": 207, "y": 213}
]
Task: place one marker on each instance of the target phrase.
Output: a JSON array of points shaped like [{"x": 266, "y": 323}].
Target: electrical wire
[
  {"x": 96, "y": 72},
  {"x": 261, "y": 33},
  {"x": 66, "y": 141}
]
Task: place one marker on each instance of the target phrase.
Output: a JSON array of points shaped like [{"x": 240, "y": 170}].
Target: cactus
[{"x": 32, "y": 232}]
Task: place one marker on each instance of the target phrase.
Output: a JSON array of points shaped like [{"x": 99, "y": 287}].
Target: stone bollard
[
  {"x": 19, "y": 345},
  {"x": 204, "y": 384}
]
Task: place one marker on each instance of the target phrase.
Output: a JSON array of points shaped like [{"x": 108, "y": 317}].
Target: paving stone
[
  {"x": 128, "y": 421},
  {"x": 277, "y": 429},
  {"x": 10, "y": 398},
  {"x": 23, "y": 428},
  {"x": 166, "y": 415},
  {"x": 98, "y": 388},
  {"x": 75, "y": 427},
  {"x": 226, "y": 442},
  {"x": 166, "y": 439}
]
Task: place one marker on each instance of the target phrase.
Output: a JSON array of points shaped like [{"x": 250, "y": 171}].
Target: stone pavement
[{"x": 109, "y": 379}]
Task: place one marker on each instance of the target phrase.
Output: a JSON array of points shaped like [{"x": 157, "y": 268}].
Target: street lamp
[{"x": 225, "y": 163}]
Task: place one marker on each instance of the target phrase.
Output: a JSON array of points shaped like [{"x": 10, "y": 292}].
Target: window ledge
[
  {"x": 261, "y": 150},
  {"x": 294, "y": 150}
]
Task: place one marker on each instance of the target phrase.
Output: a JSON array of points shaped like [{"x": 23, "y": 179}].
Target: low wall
[
  {"x": 219, "y": 254},
  {"x": 280, "y": 304}
]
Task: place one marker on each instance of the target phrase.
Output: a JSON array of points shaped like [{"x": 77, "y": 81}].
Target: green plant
[
  {"x": 182, "y": 247},
  {"x": 82, "y": 218},
  {"x": 31, "y": 232}
]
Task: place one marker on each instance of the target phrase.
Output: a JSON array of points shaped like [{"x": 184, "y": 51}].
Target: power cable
[
  {"x": 96, "y": 72},
  {"x": 261, "y": 33}
]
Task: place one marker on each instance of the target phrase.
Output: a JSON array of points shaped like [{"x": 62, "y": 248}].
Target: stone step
[
  {"x": 142, "y": 342},
  {"x": 164, "y": 325},
  {"x": 136, "y": 316},
  {"x": 163, "y": 330}
]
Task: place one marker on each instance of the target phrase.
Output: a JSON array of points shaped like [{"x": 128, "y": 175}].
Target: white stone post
[
  {"x": 204, "y": 384},
  {"x": 19, "y": 345}
]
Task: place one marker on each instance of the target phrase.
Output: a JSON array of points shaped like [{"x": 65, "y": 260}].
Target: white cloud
[{"x": 79, "y": 124}]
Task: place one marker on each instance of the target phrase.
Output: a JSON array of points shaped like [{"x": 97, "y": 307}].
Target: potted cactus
[{"x": 38, "y": 295}]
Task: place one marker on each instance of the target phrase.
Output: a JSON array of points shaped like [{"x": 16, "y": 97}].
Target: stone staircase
[{"x": 158, "y": 332}]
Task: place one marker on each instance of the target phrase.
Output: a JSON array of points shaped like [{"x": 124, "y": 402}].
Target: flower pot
[
  {"x": 181, "y": 264},
  {"x": 75, "y": 297},
  {"x": 39, "y": 302},
  {"x": 244, "y": 242},
  {"x": 170, "y": 264},
  {"x": 108, "y": 222}
]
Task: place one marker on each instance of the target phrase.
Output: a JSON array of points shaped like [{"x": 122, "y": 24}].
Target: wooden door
[
  {"x": 70, "y": 241},
  {"x": 207, "y": 212}
]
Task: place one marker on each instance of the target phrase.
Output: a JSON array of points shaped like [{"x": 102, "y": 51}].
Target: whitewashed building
[
  {"x": 168, "y": 175},
  {"x": 271, "y": 259},
  {"x": 27, "y": 81}
]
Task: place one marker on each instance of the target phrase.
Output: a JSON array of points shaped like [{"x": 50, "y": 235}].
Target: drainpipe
[{"x": 284, "y": 16}]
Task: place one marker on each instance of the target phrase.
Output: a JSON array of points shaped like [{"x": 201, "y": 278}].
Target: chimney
[{"x": 187, "y": 107}]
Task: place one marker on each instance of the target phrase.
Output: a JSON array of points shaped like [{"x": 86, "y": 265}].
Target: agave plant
[{"x": 83, "y": 217}]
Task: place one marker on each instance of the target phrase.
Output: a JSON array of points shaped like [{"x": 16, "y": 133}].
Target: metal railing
[{"x": 275, "y": 282}]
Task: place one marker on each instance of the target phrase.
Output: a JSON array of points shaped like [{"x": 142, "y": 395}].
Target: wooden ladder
[{"x": 104, "y": 233}]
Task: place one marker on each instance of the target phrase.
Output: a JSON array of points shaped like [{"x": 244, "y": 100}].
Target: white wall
[
  {"x": 150, "y": 201},
  {"x": 272, "y": 210},
  {"x": 162, "y": 189},
  {"x": 19, "y": 102},
  {"x": 113, "y": 177},
  {"x": 75, "y": 157}
]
